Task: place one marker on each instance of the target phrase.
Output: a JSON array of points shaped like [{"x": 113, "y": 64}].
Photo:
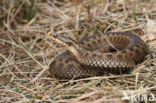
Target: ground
[{"x": 26, "y": 50}]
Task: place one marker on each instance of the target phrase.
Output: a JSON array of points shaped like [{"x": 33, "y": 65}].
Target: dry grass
[{"x": 26, "y": 51}]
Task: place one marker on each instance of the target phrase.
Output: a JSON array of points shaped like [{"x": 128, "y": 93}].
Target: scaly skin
[{"x": 113, "y": 52}]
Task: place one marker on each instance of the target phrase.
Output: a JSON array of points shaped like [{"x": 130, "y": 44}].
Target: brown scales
[{"x": 99, "y": 54}]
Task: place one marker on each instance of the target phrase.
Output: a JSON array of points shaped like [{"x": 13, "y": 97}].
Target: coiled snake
[{"x": 113, "y": 52}]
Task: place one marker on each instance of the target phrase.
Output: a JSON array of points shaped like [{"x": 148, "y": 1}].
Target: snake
[{"x": 98, "y": 54}]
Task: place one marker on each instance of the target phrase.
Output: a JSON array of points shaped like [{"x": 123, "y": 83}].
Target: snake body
[{"x": 113, "y": 52}]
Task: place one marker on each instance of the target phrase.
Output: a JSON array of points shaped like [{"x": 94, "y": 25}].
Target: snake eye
[{"x": 55, "y": 35}]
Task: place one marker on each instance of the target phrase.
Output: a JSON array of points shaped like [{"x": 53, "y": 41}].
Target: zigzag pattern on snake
[{"x": 113, "y": 52}]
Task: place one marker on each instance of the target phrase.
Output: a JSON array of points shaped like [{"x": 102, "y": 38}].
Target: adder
[{"x": 111, "y": 52}]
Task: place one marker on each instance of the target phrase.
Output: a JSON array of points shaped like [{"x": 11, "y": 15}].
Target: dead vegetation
[{"x": 26, "y": 51}]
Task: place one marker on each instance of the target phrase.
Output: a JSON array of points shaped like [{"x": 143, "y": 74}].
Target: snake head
[
  {"x": 67, "y": 41},
  {"x": 62, "y": 39}
]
